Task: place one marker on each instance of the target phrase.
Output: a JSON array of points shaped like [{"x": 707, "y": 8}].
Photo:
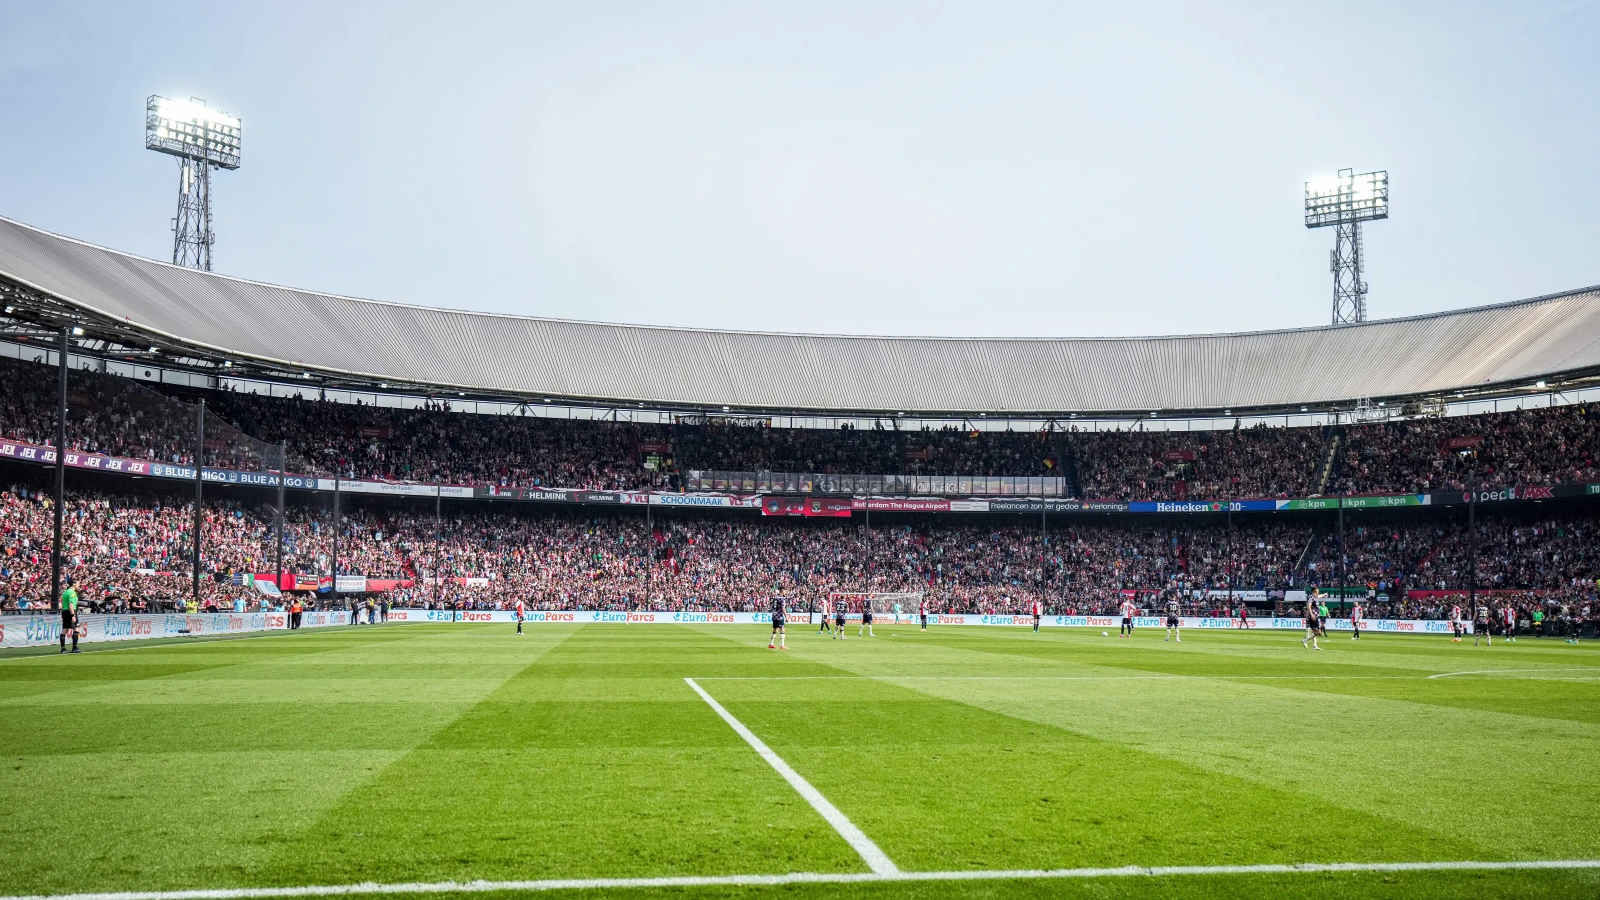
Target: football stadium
[{"x": 308, "y": 595}]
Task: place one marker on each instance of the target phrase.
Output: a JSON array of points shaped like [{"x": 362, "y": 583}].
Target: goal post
[{"x": 882, "y": 604}]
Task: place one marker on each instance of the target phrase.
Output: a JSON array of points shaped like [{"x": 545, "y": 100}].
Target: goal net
[{"x": 881, "y": 604}]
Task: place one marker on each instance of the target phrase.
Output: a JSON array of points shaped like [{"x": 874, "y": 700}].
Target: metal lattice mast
[
  {"x": 191, "y": 229},
  {"x": 1349, "y": 291},
  {"x": 1344, "y": 202}
]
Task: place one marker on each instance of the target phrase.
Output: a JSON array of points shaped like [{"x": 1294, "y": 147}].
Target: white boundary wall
[
  {"x": 1402, "y": 626},
  {"x": 45, "y": 629}
]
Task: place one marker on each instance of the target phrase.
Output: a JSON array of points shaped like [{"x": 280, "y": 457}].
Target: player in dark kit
[
  {"x": 1481, "y": 626},
  {"x": 779, "y": 640},
  {"x": 840, "y": 610},
  {"x": 866, "y": 619},
  {"x": 1313, "y": 625}
]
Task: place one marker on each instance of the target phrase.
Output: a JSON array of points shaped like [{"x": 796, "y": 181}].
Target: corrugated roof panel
[{"x": 1498, "y": 344}]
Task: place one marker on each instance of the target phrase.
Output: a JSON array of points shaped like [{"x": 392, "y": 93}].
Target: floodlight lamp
[
  {"x": 188, "y": 129},
  {"x": 1346, "y": 198},
  {"x": 76, "y": 331},
  {"x": 1322, "y": 186}
]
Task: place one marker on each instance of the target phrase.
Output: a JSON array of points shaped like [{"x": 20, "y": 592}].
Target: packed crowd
[
  {"x": 135, "y": 551},
  {"x": 127, "y": 554},
  {"x": 1556, "y": 445},
  {"x": 880, "y": 450},
  {"x": 1245, "y": 462},
  {"x": 114, "y": 415}
]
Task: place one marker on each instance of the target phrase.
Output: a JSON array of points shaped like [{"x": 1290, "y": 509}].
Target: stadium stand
[
  {"x": 131, "y": 543},
  {"x": 130, "y": 551},
  {"x": 435, "y": 445}
]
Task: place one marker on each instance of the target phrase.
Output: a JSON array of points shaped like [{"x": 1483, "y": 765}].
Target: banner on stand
[{"x": 44, "y": 630}]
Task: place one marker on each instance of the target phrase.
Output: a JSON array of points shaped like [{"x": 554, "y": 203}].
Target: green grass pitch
[{"x": 426, "y": 753}]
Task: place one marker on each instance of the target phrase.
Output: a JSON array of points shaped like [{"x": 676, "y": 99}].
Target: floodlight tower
[
  {"x": 1345, "y": 201},
  {"x": 201, "y": 139}
]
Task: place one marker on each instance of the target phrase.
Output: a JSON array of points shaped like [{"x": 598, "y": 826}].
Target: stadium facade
[{"x": 138, "y": 309}]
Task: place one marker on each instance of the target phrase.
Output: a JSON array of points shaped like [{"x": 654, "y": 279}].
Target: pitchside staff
[{"x": 69, "y": 616}]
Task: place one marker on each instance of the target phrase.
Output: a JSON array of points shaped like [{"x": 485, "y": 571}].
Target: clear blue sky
[{"x": 913, "y": 168}]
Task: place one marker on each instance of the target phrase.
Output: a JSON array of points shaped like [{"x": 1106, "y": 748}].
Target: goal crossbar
[{"x": 880, "y": 602}]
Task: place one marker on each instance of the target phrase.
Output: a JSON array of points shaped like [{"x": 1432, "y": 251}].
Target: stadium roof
[{"x": 129, "y": 304}]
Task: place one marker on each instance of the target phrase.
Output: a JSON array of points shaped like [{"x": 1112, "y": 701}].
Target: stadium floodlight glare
[
  {"x": 201, "y": 139},
  {"x": 1344, "y": 202},
  {"x": 187, "y": 129},
  {"x": 1347, "y": 197}
]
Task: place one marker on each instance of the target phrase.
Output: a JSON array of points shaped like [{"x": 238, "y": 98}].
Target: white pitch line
[
  {"x": 1067, "y": 678},
  {"x": 893, "y": 678},
  {"x": 1512, "y": 671},
  {"x": 875, "y": 858},
  {"x": 560, "y": 884}
]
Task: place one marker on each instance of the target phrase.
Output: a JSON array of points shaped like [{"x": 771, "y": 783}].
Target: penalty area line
[
  {"x": 569, "y": 884},
  {"x": 876, "y": 859}
]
